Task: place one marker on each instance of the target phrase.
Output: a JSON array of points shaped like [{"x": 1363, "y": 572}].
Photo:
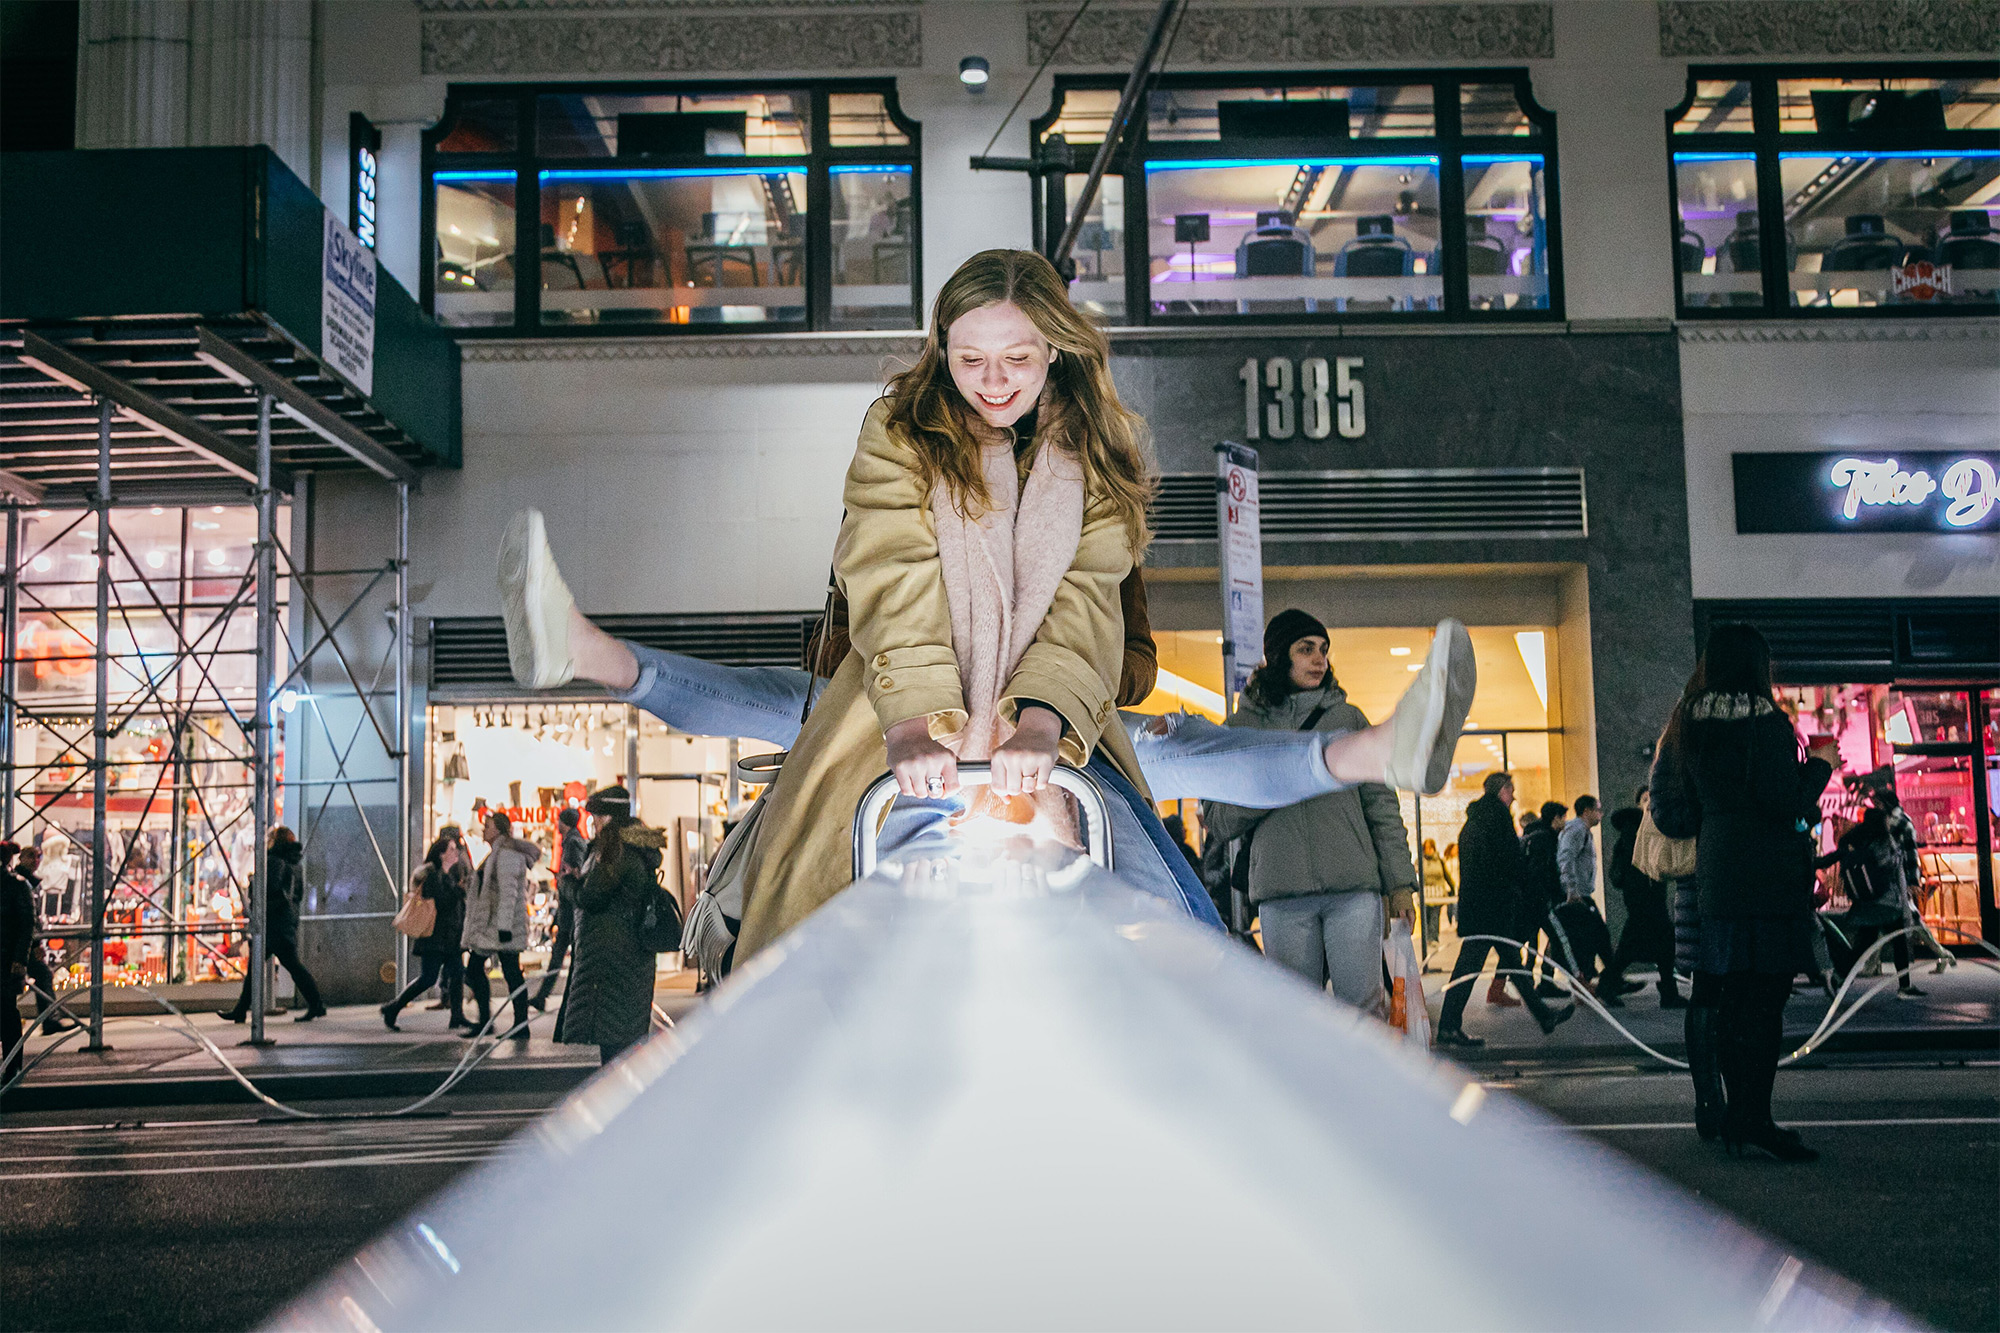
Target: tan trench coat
[{"x": 901, "y": 666}]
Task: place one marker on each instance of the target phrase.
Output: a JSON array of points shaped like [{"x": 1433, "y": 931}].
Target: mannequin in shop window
[{"x": 1003, "y": 449}]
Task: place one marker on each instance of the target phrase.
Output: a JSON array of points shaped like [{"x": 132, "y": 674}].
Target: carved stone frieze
[
  {"x": 551, "y": 6},
  {"x": 672, "y": 43},
  {"x": 1707, "y": 28},
  {"x": 1290, "y": 34},
  {"x": 1842, "y": 331},
  {"x": 683, "y": 348}
]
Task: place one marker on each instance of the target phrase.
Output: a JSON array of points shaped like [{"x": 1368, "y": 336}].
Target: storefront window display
[
  {"x": 181, "y": 657},
  {"x": 1937, "y": 748},
  {"x": 532, "y": 760}
]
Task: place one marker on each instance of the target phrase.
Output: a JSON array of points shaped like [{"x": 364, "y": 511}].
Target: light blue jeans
[
  {"x": 1194, "y": 760},
  {"x": 1191, "y": 758}
]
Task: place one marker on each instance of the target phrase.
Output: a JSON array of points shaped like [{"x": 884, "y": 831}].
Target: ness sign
[{"x": 1866, "y": 490}]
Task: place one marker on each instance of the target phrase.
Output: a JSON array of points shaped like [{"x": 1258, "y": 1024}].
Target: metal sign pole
[
  {"x": 1240, "y": 556},
  {"x": 101, "y": 729},
  {"x": 262, "y": 727}
]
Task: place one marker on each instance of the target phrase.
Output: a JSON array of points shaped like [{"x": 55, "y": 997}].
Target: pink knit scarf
[{"x": 1001, "y": 571}]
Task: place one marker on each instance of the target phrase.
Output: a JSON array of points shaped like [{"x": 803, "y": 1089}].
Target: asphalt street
[
  {"x": 1902, "y": 1200},
  {"x": 210, "y": 1218}
]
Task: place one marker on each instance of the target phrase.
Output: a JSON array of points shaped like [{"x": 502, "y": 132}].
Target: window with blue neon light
[{"x": 627, "y": 243}]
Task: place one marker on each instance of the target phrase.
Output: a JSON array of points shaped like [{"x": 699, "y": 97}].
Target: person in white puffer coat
[{"x": 496, "y": 921}]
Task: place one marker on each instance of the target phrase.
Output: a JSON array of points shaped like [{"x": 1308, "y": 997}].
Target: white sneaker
[
  {"x": 1423, "y": 732},
  {"x": 536, "y": 604}
]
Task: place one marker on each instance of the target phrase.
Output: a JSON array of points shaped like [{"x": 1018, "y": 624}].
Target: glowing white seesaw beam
[{"x": 1006, "y": 1091}]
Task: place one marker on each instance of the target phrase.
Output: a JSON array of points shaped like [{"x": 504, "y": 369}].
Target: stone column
[
  {"x": 250, "y": 77},
  {"x": 180, "y": 73},
  {"x": 132, "y": 74}
]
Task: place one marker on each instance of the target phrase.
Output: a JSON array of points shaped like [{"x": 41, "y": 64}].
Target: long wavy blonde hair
[{"x": 1080, "y": 414}]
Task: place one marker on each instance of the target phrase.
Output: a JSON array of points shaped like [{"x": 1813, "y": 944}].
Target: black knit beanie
[{"x": 1287, "y": 628}]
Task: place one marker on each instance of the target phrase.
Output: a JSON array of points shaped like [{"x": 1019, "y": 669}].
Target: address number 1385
[{"x": 1310, "y": 403}]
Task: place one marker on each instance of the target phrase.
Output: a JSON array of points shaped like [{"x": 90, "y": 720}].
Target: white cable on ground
[
  {"x": 475, "y": 1053},
  {"x": 1831, "y": 1023}
]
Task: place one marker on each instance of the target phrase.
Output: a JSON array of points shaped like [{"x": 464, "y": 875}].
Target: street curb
[{"x": 413, "y": 1083}]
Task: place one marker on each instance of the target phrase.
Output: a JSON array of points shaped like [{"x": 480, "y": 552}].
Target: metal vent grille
[
  {"x": 472, "y": 650},
  {"x": 1404, "y": 505},
  {"x": 1863, "y": 639}
]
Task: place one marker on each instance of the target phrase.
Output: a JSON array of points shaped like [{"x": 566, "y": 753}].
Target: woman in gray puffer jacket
[
  {"x": 1319, "y": 870},
  {"x": 609, "y": 1000}
]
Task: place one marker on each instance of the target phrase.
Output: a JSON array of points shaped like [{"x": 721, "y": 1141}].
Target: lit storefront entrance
[
  {"x": 1910, "y": 689},
  {"x": 177, "y": 815},
  {"x": 1518, "y": 722}
]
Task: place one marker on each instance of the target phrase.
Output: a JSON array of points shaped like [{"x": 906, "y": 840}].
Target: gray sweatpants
[{"x": 1326, "y": 937}]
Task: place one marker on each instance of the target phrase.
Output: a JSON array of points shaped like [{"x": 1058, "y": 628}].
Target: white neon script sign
[{"x": 1969, "y": 484}]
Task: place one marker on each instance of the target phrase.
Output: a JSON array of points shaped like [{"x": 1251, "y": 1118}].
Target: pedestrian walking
[
  {"x": 1648, "y": 936},
  {"x": 284, "y": 895},
  {"x": 17, "y": 934},
  {"x": 42, "y": 982},
  {"x": 1325, "y": 874},
  {"x": 1541, "y": 894},
  {"x": 1492, "y": 874},
  {"x": 496, "y": 921},
  {"x": 609, "y": 1000},
  {"x": 1585, "y": 939},
  {"x": 1903, "y": 833},
  {"x": 572, "y": 850},
  {"x": 1871, "y": 869},
  {"x": 1440, "y": 887},
  {"x": 1728, "y": 773},
  {"x": 439, "y": 955}
]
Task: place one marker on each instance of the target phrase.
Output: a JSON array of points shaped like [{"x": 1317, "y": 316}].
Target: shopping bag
[{"x": 1408, "y": 1010}]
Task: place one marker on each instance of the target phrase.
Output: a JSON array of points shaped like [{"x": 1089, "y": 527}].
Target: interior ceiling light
[
  {"x": 973, "y": 72},
  {"x": 1399, "y": 652}
]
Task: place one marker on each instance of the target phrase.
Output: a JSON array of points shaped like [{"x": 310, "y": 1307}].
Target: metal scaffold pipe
[
  {"x": 101, "y": 729},
  {"x": 10, "y": 614},
  {"x": 261, "y": 797},
  {"x": 403, "y": 719}
]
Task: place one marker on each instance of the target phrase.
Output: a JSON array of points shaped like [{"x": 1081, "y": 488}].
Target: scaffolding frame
[{"x": 127, "y": 415}]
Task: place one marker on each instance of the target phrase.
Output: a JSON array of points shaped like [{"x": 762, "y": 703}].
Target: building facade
[{"x": 1504, "y": 294}]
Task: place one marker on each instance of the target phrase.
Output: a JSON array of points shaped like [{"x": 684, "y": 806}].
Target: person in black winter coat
[
  {"x": 609, "y": 1000},
  {"x": 17, "y": 939},
  {"x": 1491, "y": 875},
  {"x": 1872, "y": 869},
  {"x": 1542, "y": 891},
  {"x": 439, "y": 959},
  {"x": 569, "y": 874},
  {"x": 1649, "y": 932},
  {"x": 284, "y": 894},
  {"x": 1728, "y": 774}
]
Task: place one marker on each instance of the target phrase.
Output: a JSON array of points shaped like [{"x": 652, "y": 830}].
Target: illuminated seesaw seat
[{"x": 1002, "y": 1090}]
